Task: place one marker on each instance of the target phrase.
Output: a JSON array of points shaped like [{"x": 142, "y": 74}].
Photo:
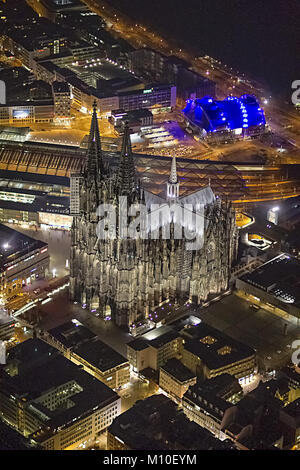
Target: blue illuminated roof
[{"x": 231, "y": 113}]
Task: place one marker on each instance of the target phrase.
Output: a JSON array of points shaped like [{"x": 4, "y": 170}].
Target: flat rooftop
[
  {"x": 100, "y": 355},
  {"x": 138, "y": 344},
  {"x": 170, "y": 429},
  {"x": 216, "y": 349},
  {"x": 14, "y": 245},
  {"x": 160, "y": 337},
  {"x": 279, "y": 277},
  {"x": 72, "y": 334},
  {"x": 11, "y": 440},
  {"x": 175, "y": 368},
  {"x": 156, "y": 338},
  {"x": 56, "y": 371}
]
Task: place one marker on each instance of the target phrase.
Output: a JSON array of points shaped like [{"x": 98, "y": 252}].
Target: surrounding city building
[
  {"x": 154, "y": 349},
  {"x": 24, "y": 114},
  {"x": 290, "y": 422},
  {"x": 47, "y": 398},
  {"x": 136, "y": 119},
  {"x": 82, "y": 347},
  {"x": 62, "y": 101},
  {"x": 38, "y": 200},
  {"x": 289, "y": 379},
  {"x": 22, "y": 260},
  {"x": 175, "y": 379},
  {"x": 7, "y": 325},
  {"x": 275, "y": 284},
  {"x": 157, "y": 98},
  {"x": 143, "y": 273},
  {"x": 208, "y": 353},
  {"x": 146, "y": 426},
  {"x": 11, "y": 440},
  {"x": 153, "y": 65},
  {"x": 211, "y": 403}
]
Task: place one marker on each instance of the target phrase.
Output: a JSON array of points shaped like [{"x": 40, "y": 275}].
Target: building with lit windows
[
  {"x": 154, "y": 349},
  {"x": 22, "y": 260},
  {"x": 175, "y": 379},
  {"x": 208, "y": 353},
  {"x": 62, "y": 100},
  {"x": 47, "y": 398},
  {"x": 157, "y": 98},
  {"x": 211, "y": 403},
  {"x": 82, "y": 347},
  {"x": 28, "y": 199},
  {"x": 157, "y": 423},
  {"x": 275, "y": 286},
  {"x": 24, "y": 114}
]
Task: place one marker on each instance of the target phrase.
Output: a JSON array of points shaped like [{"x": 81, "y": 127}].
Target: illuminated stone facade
[{"x": 127, "y": 278}]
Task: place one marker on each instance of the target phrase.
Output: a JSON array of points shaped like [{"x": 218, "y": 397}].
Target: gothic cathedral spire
[
  {"x": 94, "y": 154},
  {"x": 126, "y": 179}
]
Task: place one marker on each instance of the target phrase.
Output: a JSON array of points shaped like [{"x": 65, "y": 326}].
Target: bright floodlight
[
  {"x": 275, "y": 209},
  {"x": 5, "y": 246}
]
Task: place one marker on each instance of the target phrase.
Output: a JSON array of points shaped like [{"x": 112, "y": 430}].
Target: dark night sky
[{"x": 259, "y": 37}]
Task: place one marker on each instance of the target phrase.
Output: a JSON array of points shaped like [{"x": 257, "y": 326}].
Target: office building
[
  {"x": 82, "y": 347},
  {"x": 208, "y": 353},
  {"x": 175, "y": 379},
  {"x": 31, "y": 199},
  {"x": 156, "y": 67},
  {"x": 157, "y": 424},
  {"x": 154, "y": 349},
  {"x": 24, "y": 114},
  {"x": 136, "y": 119},
  {"x": 47, "y": 398},
  {"x": 11, "y": 440},
  {"x": 274, "y": 285},
  {"x": 22, "y": 261},
  {"x": 62, "y": 101},
  {"x": 156, "y": 98},
  {"x": 211, "y": 403}
]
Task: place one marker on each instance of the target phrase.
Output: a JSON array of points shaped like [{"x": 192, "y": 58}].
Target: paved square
[{"x": 260, "y": 329}]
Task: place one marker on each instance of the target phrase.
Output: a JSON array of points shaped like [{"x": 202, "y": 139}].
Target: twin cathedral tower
[{"x": 126, "y": 278}]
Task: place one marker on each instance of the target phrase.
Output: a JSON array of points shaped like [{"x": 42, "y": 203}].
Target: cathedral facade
[{"x": 126, "y": 278}]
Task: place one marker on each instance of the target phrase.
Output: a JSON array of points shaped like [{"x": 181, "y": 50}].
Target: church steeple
[
  {"x": 173, "y": 183},
  {"x": 94, "y": 166},
  {"x": 126, "y": 179}
]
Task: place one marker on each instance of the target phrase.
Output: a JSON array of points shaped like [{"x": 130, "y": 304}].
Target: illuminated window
[
  {"x": 224, "y": 350},
  {"x": 208, "y": 340}
]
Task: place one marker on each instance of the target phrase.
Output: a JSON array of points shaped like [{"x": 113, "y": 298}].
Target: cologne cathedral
[{"x": 127, "y": 278}]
